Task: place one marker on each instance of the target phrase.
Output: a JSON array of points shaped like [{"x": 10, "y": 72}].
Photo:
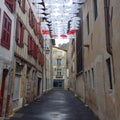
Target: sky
[{"x": 61, "y": 41}]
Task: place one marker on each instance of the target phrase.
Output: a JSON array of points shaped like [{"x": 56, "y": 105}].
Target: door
[
  {"x": 38, "y": 86},
  {"x": 59, "y": 84},
  {"x": 4, "y": 75},
  {"x": 16, "y": 92}
]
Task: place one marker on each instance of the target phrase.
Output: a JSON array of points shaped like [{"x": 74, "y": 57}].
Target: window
[
  {"x": 86, "y": 77},
  {"x": 38, "y": 29},
  {"x": 29, "y": 45},
  {"x": 59, "y": 53},
  {"x": 73, "y": 46},
  {"x": 59, "y": 73},
  {"x": 109, "y": 73},
  {"x": 89, "y": 78},
  {"x": 31, "y": 18},
  {"x": 39, "y": 56},
  {"x": 58, "y": 62},
  {"x": 19, "y": 33},
  {"x": 6, "y": 31},
  {"x": 42, "y": 59},
  {"x": 35, "y": 50},
  {"x": 88, "y": 24},
  {"x": 95, "y": 9},
  {"x": 93, "y": 79},
  {"x": 10, "y": 4},
  {"x": 22, "y": 5},
  {"x": 35, "y": 26}
]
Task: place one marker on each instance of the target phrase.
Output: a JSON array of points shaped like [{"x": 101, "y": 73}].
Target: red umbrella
[
  {"x": 72, "y": 31},
  {"x": 54, "y": 36},
  {"x": 45, "y": 31},
  {"x": 63, "y": 36}
]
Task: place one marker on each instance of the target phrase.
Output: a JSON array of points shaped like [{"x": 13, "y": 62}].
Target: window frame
[{"x": 19, "y": 33}]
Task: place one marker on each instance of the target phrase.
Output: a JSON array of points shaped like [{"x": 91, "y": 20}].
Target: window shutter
[
  {"x": 11, "y": 4},
  {"x": 35, "y": 25},
  {"x": 6, "y": 31},
  {"x": 36, "y": 51},
  {"x": 21, "y": 34},
  {"x": 30, "y": 44},
  {"x": 30, "y": 17},
  {"x": 23, "y": 5},
  {"x": 38, "y": 28},
  {"x": 42, "y": 59},
  {"x": 39, "y": 56},
  {"x": 17, "y": 30}
]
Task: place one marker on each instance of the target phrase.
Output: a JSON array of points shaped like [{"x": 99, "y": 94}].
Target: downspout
[{"x": 107, "y": 24}]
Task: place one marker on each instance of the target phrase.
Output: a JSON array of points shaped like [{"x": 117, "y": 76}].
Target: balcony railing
[{"x": 59, "y": 76}]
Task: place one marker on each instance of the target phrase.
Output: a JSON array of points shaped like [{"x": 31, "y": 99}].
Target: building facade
[
  {"x": 71, "y": 60},
  {"x": 97, "y": 81},
  {"x": 27, "y": 78},
  {"x": 59, "y": 68},
  {"x": 7, "y": 38},
  {"x": 48, "y": 80}
]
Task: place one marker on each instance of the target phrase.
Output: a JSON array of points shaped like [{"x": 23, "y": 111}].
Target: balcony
[{"x": 59, "y": 76}]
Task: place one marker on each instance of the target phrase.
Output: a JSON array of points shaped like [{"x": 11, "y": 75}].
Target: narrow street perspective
[
  {"x": 59, "y": 59},
  {"x": 55, "y": 105}
]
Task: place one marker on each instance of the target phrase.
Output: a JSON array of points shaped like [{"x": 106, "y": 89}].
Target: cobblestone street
[{"x": 55, "y": 105}]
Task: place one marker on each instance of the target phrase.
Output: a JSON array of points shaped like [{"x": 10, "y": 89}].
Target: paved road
[{"x": 56, "y": 105}]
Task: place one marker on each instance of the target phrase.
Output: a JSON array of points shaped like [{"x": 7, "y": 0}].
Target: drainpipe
[{"x": 9, "y": 92}]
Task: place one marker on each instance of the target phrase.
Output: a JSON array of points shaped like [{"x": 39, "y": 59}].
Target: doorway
[
  {"x": 4, "y": 75},
  {"x": 58, "y": 84}
]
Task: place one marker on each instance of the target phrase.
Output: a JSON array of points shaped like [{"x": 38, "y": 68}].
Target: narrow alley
[
  {"x": 59, "y": 59},
  {"x": 55, "y": 105}
]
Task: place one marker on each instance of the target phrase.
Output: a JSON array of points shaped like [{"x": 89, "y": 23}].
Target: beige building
[
  {"x": 7, "y": 15},
  {"x": 71, "y": 60},
  {"x": 114, "y": 12},
  {"x": 98, "y": 80},
  {"x": 48, "y": 80},
  {"x": 28, "y": 56},
  {"x": 59, "y": 68}
]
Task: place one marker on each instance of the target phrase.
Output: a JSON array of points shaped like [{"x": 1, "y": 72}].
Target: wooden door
[{"x": 5, "y": 72}]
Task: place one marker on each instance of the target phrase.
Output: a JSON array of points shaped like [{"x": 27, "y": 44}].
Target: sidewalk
[{"x": 56, "y": 105}]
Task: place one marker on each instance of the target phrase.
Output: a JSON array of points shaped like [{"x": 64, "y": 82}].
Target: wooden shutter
[
  {"x": 38, "y": 28},
  {"x": 29, "y": 44},
  {"x": 31, "y": 18},
  {"x": 17, "y": 30},
  {"x": 23, "y": 5},
  {"x": 11, "y": 4},
  {"x": 6, "y": 31},
  {"x": 19, "y": 33}
]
